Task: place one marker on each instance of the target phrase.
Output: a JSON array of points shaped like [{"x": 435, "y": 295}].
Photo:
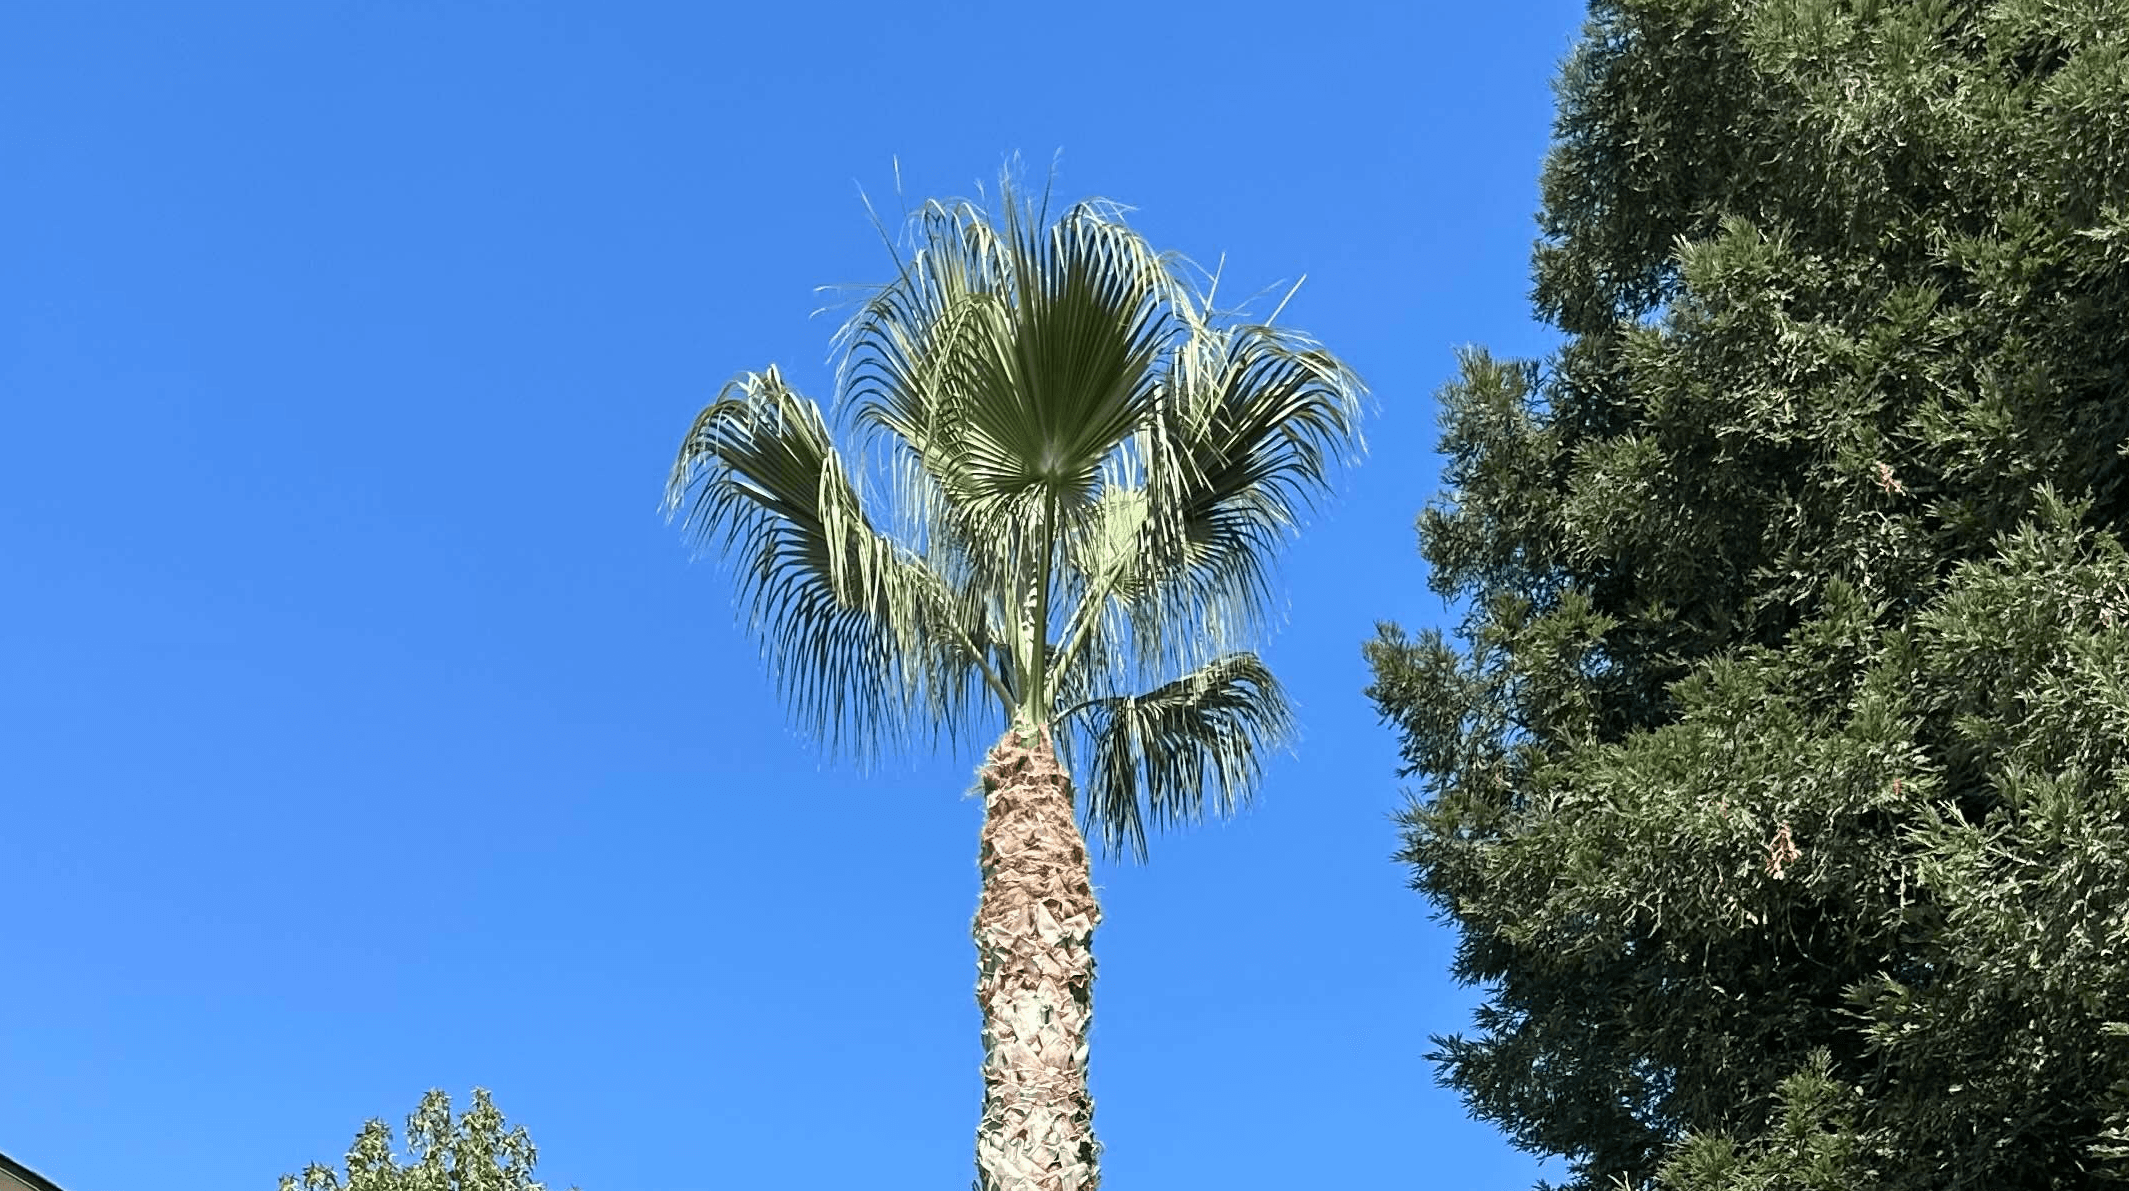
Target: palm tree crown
[{"x": 1064, "y": 475}]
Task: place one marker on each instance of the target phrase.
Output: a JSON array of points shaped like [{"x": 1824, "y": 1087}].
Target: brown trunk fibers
[{"x": 1034, "y": 934}]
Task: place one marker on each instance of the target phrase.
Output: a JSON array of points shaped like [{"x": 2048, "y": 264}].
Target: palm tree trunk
[{"x": 1035, "y": 976}]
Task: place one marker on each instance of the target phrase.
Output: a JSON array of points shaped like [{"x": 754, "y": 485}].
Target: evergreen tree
[{"x": 1778, "y": 780}]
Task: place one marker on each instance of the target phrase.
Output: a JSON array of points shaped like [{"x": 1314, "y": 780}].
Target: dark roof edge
[{"x": 28, "y": 1176}]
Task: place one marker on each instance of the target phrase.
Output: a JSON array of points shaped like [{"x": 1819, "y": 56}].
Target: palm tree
[{"x": 1080, "y": 471}]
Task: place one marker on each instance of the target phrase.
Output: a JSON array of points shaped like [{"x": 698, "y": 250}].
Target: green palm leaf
[
  {"x": 1179, "y": 750},
  {"x": 1254, "y": 422},
  {"x": 1012, "y": 362},
  {"x": 860, "y": 633}
]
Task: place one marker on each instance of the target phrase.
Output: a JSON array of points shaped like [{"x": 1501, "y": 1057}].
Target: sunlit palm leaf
[
  {"x": 1251, "y": 429},
  {"x": 1256, "y": 447},
  {"x": 1185, "y": 748},
  {"x": 1014, "y": 361},
  {"x": 861, "y": 635}
]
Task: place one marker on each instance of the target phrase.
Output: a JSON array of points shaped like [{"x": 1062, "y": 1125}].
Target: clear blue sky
[{"x": 364, "y": 729}]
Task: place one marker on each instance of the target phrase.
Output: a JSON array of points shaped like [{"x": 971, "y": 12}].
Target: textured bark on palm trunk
[{"x": 1034, "y": 934}]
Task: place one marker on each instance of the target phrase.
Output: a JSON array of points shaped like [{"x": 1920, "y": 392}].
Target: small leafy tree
[{"x": 472, "y": 1152}]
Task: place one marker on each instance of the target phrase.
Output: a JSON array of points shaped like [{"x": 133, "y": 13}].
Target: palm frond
[
  {"x": 1170, "y": 755},
  {"x": 1255, "y": 444},
  {"x": 1253, "y": 425},
  {"x": 864, "y": 640},
  {"x": 1011, "y": 357}
]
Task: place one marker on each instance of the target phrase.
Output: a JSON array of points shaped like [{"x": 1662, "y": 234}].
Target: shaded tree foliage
[
  {"x": 1776, "y": 779},
  {"x": 474, "y": 1151}
]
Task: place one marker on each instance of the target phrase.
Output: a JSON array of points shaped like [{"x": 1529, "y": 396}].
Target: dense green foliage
[
  {"x": 471, "y": 1152},
  {"x": 1778, "y": 783}
]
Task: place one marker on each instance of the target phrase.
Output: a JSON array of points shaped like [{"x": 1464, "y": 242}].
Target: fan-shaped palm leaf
[
  {"x": 1187, "y": 746},
  {"x": 862, "y": 636}
]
